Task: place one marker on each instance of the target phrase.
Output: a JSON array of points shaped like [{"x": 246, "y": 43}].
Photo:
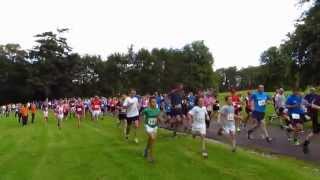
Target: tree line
[
  {"x": 52, "y": 70},
  {"x": 295, "y": 63}
]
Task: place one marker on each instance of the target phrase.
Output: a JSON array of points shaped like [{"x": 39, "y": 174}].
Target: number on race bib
[
  {"x": 295, "y": 116},
  {"x": 262, "y": 102},
  {"x": 230, "y": 117},
  {"x": 152, "y": 121}
]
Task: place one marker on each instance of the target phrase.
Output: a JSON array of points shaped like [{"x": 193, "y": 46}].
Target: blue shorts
[{"x": 259, "y": 116}]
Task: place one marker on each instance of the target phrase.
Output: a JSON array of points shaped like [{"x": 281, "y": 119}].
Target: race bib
[
  {"x": 178, "y": 106},
  {"x": 123, "y": 110},
  {"x": 96, "y": 106},
  {"x": 295, "y": 116},
  {"x": 230, "y": 117},
  {"x": 152, "y": 121},
  {"x": 262, "y": 102},
  {"x": 79, "y": 109}
]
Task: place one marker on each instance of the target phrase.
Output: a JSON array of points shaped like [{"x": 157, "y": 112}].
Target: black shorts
[
  {"x": 216, "y": 108},
  {"x": 259, "y": 116},
  {"x": 122, "y": 117},
  {"x": 315, "y": 123},
  {"x": 176, "y": 112},
  {"x": 294, "y": 122},
  {"x": 248, "y": 110},
  {"x": 132, "y": 119}
]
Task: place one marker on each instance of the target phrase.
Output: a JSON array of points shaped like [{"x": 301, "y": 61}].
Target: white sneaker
[{"x": 136, "y": 140}]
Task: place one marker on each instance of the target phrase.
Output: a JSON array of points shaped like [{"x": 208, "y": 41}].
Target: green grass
[{"x": 98, "y": 151}]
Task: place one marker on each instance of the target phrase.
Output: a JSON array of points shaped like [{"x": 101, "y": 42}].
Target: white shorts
[
  {"x": 229, "y": 127},
  {"x": 96, "y": 113},
  {"x": 151, "y": 130},
  {"x": 45, "y": 113},
  {"x": 60, "y": 117},
  {"x": 199, "y": 129}
]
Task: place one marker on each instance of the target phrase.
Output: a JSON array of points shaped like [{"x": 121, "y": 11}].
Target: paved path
[{"x": 279, "y": 144}]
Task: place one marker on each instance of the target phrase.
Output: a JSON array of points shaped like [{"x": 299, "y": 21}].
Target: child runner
[
  {"x": 227, "y": 117},
  {"x": 151, "y": 116},
  {"x": 199, "y": 114}
]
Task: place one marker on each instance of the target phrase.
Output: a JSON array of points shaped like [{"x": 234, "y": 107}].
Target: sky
[{"x": 236, "y": 31}]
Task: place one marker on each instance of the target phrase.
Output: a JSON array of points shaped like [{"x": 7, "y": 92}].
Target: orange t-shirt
[
  {"x": 33, "y": 108},
  {"x": 24, "y": 111}
]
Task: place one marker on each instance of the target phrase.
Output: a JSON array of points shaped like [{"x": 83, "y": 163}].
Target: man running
[
  {"x": 151, "y": 117},
  {"x": 280, "y": 106},
  {"x": 259, "y": 101},
  {"x": 296, "y": 114},
  {"x": 199, "y": 114},
  {"x": 315, "y": 106},
  {"x": 176, "y": 111},
  {"x": 131, "y": 104}
]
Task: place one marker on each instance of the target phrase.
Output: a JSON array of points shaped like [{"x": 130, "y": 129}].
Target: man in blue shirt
[
  {"x": 259, "y": 101},
  {"x": 296, "y": 114}
]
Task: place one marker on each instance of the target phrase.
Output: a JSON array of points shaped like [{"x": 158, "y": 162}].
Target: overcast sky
[{"x": 236, "y": 31}]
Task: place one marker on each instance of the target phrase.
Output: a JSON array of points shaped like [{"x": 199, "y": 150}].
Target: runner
[
  {"x": 72, "y": 105},
  {"x": 33, "y": 111},
  {"x": 122, "y": 113},
  {"x": 176, "y": 111},
  {"x": 79, "y": 108},
  {"x": 45, "y": 112},
  {"x": 95, "y": 108},
  {"x": 227, "y": 117},
  {"x": 132, "y": 106},
  {"x": 248, "y": 108},
  {"x": 313, "y": 111},
  {"x": 167, "y": 110},
  {"x": 199, "y": 114},
  {"x": 296, "y": 114},
  {"x": 151, "y": 117},
  {"x": 259, "y": 100},
  {"x": 59, "y": 111},
  {"x": 280, "y": 106},
  {"x": 237, "y": 107},
  {"x": 209, "y": 102},
  {"x": 24, "y": 114},
  {"x": 66, "y": 109}
]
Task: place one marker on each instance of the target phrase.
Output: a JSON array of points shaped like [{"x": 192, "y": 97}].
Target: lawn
[{"x": 98, "y": 151}]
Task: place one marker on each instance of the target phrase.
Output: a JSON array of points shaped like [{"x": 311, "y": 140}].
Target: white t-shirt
[
  {"x": 132, "y": 105},
  {"x": 198, "y": 116}
]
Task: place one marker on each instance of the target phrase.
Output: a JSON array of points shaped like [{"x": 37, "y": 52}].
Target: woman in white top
[{"x": 199, "y": 114}]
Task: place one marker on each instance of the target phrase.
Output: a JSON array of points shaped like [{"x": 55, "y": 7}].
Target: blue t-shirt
[
  {"x": 191, "y": 101},
  {"x": 159, "y": 99},
  {"x": 260, "y": 101},
  {"x": 295, "y": 100}
]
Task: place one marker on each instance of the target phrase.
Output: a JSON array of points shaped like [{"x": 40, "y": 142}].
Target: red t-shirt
[{"x": 96, "y": 104}]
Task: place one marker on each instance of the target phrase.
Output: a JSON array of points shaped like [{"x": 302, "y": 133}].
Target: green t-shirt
[{"x": 151, "y": 116}]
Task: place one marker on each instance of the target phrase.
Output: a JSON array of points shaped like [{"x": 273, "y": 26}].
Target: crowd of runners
[{"x": 190, "y": 112}]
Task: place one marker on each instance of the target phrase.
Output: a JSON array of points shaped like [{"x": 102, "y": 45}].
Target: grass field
[{"x": 98, "y": 151}]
